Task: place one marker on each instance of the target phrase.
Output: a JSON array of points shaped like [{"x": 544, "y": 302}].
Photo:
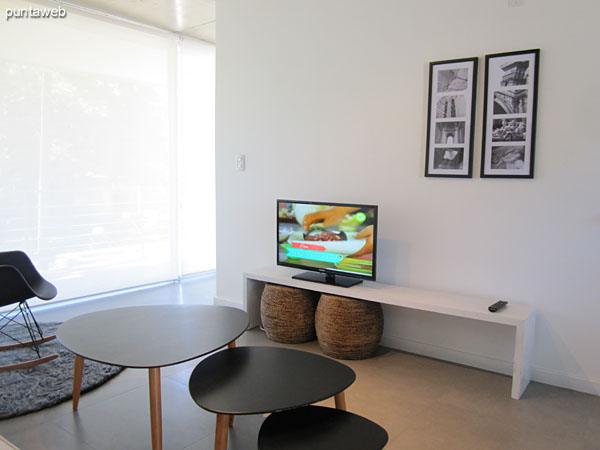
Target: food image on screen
[{"x": 329, "y": 237}]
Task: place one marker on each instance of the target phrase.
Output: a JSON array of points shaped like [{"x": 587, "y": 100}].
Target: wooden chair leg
[
  {"x": 231, "y": 417},
  {"x": 340, "y": 401},
  {"x": 27, "y": 364},
  {"x": 77, "y": 378},
  {"x": 221, "y": 432},
  {"x": 231, "y": 344},
  {"x": 27, "y": 344}
]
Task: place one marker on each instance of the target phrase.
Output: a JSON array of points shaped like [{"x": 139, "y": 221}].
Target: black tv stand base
[{"x": 326, "y": 278}]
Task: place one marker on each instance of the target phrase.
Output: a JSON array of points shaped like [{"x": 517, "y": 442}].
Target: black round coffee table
[
  {"x": 257, "y": 380},
  {"x": 320, "y": 428},
  {"x": 149, "y": 337}
]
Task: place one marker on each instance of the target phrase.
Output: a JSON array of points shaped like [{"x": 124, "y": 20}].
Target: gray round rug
[{"x": 28, "y": 390}]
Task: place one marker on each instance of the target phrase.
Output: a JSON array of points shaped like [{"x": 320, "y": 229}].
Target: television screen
[{"x": 330, "y": 238}]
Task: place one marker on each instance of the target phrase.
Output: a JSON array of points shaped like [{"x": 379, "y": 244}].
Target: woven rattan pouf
[
  {"x": 288, "y": 314},
  {"x": 348, "y": 328}
]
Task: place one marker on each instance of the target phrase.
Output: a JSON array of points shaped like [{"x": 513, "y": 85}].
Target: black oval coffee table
[
  {"x": 320, "y": 428},
  {"x": 149, "y": 337},
  {"x": 257, "y": 380}
]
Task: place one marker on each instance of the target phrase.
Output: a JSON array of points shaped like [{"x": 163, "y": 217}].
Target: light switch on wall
[{"x": 240, "y": 162}]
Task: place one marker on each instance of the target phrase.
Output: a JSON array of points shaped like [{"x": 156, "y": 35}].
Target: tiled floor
[{"x": 421, "y": 402}]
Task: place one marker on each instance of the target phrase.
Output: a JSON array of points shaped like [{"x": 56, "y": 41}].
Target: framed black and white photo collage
[
  {"x": 509, "y": 116},
  {"x": 451, "y": 110}
]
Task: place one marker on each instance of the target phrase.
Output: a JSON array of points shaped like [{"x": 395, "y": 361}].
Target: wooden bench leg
[
  {"x": 340, "y": 401},
  {"x": 77, "y": 378},
  {"x": 221, "y": 432}
]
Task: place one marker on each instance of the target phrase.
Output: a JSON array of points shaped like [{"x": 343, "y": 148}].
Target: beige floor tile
[{"x": 422, "y": 403}]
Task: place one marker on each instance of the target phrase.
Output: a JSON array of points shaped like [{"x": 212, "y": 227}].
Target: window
[{"x": 92, "y": 139}]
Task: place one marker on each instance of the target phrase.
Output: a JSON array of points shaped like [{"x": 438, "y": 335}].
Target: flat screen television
[{"x": 335, "y": 242}]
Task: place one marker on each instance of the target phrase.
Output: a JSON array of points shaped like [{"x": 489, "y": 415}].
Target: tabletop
[
  {"x": 152, "y": 336},
  {"x": 256, "y": 380},
  {"x": 320, "y": 428}
]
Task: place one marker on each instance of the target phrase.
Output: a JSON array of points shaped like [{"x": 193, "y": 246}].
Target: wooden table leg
[
  {"x": 155, "y": 408},
  {"x": 231, "y": 345},
  {"x": 340, "y": 401},
  {"x": 77, "y": 378},
  {"x": 228, "y": 419},
  {"x": 221, "y": 432}
]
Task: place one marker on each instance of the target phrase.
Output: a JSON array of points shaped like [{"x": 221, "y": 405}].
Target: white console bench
[{"x": 519, "y": 316}]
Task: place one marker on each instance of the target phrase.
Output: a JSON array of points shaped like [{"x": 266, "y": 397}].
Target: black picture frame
[
  {"x": 451, "y": 118},
  {"x": 509, "y": 114}
]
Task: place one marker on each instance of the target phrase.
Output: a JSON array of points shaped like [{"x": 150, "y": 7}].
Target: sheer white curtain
[{"x": 90, "y": 154}]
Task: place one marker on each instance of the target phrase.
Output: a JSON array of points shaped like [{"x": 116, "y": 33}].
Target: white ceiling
[{"x": 195, "y": 18}]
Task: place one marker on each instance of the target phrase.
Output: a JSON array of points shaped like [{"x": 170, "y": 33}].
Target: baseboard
[
  {"x": 565, "y": 380},
  {"x": 448, "y": 354},
  {"x": 223, "y": 301},
  {"x": 546, "y": 376}
]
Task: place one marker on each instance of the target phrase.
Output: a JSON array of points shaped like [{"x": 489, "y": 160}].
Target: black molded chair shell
[{"x": 20, "y": 280}]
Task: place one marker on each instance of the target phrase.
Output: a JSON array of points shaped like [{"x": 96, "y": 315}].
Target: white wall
[
  {"x": 328, "y": 101},
  {"x": 197, "y": 156}
]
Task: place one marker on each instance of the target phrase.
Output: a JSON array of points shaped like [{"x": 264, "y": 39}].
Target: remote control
[{"x": 498, "y": 305}]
